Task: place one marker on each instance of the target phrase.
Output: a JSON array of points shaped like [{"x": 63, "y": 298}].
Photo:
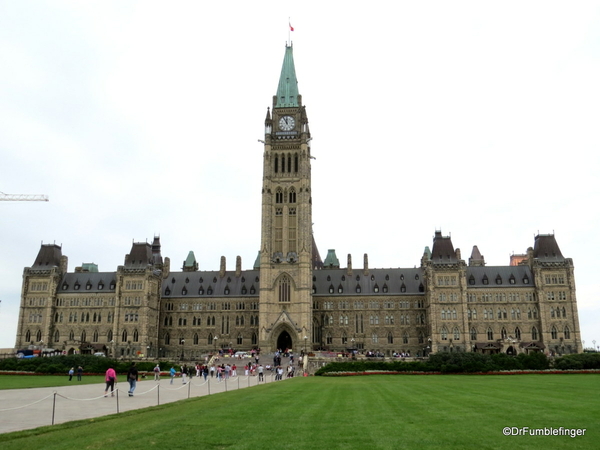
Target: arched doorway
[
  {"x": 284, "y": 341},
  {"x": 511, "y": 351}
]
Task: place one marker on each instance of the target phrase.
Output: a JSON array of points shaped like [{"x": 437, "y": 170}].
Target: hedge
[{"x": 469, "y": 363}]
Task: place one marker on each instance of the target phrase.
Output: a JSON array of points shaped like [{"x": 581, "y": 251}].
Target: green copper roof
[
  {"x": 190, "y": 261},
  {"x": 287, "y": 91},
  {"x": 331, "y": 260}
]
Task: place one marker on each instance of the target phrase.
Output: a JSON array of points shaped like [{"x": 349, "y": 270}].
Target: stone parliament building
[{"x": 292, "y": 298}]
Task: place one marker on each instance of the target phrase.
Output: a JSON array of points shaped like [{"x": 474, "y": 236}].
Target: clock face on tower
[{"x": 287, "y": 123}]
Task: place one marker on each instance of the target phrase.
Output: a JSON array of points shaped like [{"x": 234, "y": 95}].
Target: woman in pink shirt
[{"x": 111, "y": 379}]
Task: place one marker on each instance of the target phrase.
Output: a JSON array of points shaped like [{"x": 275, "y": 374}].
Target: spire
[{"x": 287, "y": 90}]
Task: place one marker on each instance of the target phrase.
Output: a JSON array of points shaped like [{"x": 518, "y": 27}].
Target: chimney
[
  {"x": 366, "y": 259},
  {"x": 349, "y": 269},
  {"x": 222, "y": 271},
  {"x": 238, "y": 266}
]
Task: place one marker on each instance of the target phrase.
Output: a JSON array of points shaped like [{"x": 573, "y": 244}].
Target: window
[
  {"x": 490, "y": 334},
  {"x": 444, "y": 334},
  {"x": 554, "y": 333},
  {"x": 534, "y": 334},
  {"x": 473, "y": 334},
  {"x": 284, "y": 289},
  {"x": 567, "y": 333},
  {"x": 455, "y": 333}
]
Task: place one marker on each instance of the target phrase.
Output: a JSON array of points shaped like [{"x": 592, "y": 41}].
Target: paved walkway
[{"x": 22, "y": 409}]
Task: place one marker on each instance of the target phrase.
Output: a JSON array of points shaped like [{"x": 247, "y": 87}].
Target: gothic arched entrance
[
  {"x": 511, "y": 351},
  {"x": 284, "y": 341}
]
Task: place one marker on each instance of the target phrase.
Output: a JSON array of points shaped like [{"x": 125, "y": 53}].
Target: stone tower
[{"x": 286, "y": 232}]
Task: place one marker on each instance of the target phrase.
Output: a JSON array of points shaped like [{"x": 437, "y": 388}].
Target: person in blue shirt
[{"x": 172, "y": 372}]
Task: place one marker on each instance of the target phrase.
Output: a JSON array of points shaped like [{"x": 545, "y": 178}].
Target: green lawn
[
  {"x": 374, "y": 412},
  {"x": 37, "y": 381}
]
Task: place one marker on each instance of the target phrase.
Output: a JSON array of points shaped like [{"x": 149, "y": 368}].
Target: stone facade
[{"x": 291, "y": 298}]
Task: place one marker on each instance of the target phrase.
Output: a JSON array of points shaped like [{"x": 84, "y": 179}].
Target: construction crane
[{"x": 22, "y": 198}]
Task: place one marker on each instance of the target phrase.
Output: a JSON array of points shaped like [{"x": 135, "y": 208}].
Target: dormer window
[
  {"x": 201, "y": 291},
  {"x": 100, "y": 286},
  {"x": 184, "y": 291},
  {"x": 173, "y": 280},
  {"x": 525, "y": 280},
  {"x": 209, "y": 291},
  {"x": 485, "y": 280},
  {"x": 385, "y": 288},
  {"x": 226, "y": 291},
  {"x": 167, "y": 291},
  {"x": 77, "y": 286},
  {"x": 65, "y": 286},
  {"x": 472, "y": 280},
  {"x": 512, "y": 280},
  {"x": 252, "y": 290},
  {"x": 331, "y": 290},
  {"x": 187, "y": 280},
  {"x": 358, "y": 290},
  {"x": 340, "y": 289},
  {"x": 215, "y": 280},
  {"x": 375, "y": 288},
  {"x": 244, "y": 290},
  {"x": 498, "y": 279}
]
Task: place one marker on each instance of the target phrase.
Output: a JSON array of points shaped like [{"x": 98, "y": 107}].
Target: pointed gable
[{"x": 476, "y": 258}]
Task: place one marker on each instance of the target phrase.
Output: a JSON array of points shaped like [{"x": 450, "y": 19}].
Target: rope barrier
[{"x": 30, "y": 404}]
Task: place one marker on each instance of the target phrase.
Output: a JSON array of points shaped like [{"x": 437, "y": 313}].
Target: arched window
[
  {"x": 518, "y": 333},
  {"x": 254, "y": 339},
  {"x": 567, "y": 333},
  {"x": 95, "y": 336},
  {"x": 276, "y": 164},
  {"x": 136, "y": 336},
  {"x": 456, "y": 334},
  {"x": 196, "y": 339},
  {"x": 210, "y": 339},
  {"x": 554, "y": 333},
  {"x": 284, "y": 289},
  {"x": 490, "y": 334},
  {"x": 473, "y": 334},
  {"x": 109, "y": 336},
  {"x": 292, "y": 196},
  {"x": 534, "y": 334},
  {"x": 405, "y": 338},
  {"x": 390, "y": 338},
  {"x": 503, "y": 333},
  {"x": 444, "y": 334},
  {"x": 124, "y": 336},
  {"x": 240, "y": 339}
]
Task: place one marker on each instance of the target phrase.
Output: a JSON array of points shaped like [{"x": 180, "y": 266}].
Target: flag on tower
[{"x": 291, "y": 27}]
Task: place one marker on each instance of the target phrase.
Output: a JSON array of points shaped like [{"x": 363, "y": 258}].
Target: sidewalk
[{"x": 22, "y": 409}]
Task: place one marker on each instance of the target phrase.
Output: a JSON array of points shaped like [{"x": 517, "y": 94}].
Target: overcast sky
[{"x": 138, "y": 119}]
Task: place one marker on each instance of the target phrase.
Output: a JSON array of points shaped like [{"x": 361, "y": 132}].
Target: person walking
[
  {"x": 260, "y": 373},
  {"x": 184, "y": 372},
  {"x": 71, "y": 372},
  {"x": 79, "y": 373},
  {"x": 132, "y": 377},
  {"x": 110, "y": 378},
  {"x": 157, "y": 373},
  {"x": 172, "y": 373}
]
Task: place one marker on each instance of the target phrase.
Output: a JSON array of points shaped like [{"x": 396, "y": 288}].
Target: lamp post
[
  {"x": 182, "y": 341},
  {"x": 428, "y": 346},
  {"x": 594, "y": 342},
  {"x": 352, "y": 344},
  {"x": 215, "y": 342},
  {"x": 583, "y": 345}
]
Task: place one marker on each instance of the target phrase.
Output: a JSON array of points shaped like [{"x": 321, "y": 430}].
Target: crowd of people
[{"x": 218, "y": 370}]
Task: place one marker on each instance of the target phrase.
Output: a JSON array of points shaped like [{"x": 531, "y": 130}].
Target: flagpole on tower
[{"x": 290, "y": 29}]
